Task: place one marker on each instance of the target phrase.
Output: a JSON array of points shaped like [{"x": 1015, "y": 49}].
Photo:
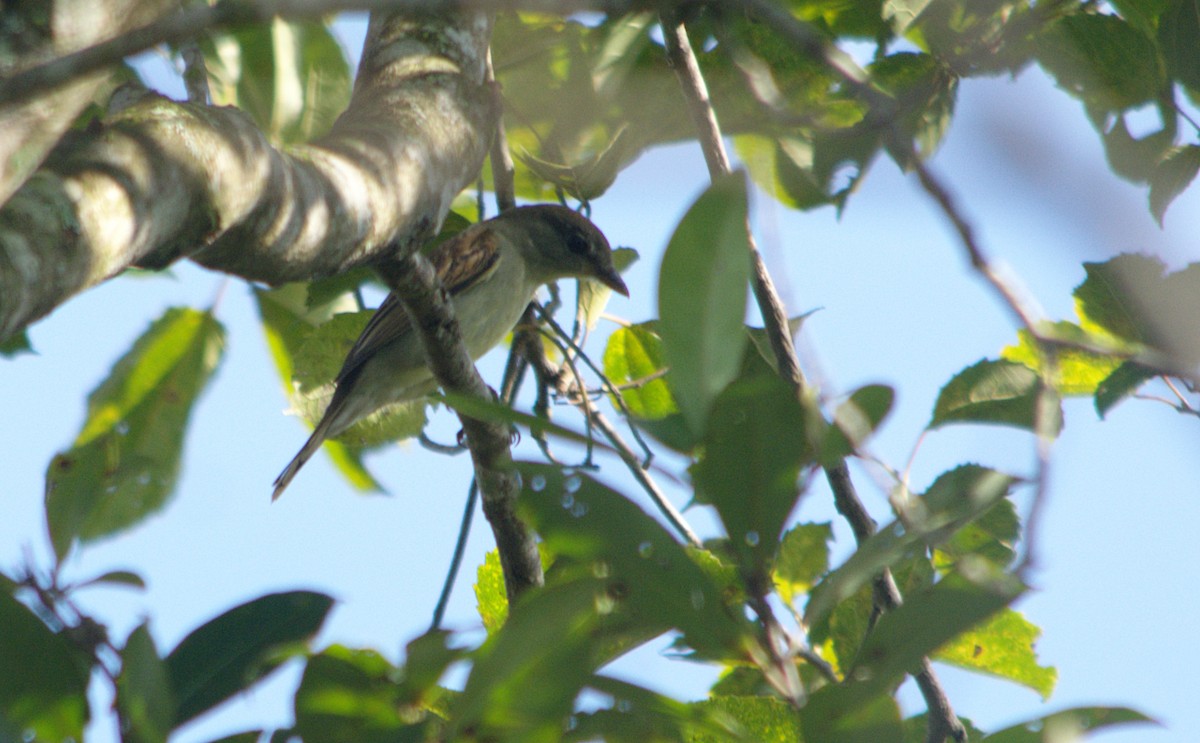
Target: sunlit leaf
[
  {"x": 125, "y": 462},
  {"x": 1002, "y": 646},
  {"x": 491, "y": 600},
  {"x": 803, "y": 558},
  {"x": 761, "y": 719},
  {"x": 1077, "y": 372}
]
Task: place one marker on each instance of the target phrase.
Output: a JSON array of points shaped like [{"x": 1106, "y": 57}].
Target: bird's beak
[{"x": 612, "y": 280}]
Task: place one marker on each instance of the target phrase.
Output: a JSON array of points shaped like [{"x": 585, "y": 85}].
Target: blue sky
[{"x": 899, "y": 306}]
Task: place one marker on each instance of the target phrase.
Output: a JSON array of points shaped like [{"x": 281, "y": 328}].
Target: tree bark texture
[{"x": 161, "y": 180}]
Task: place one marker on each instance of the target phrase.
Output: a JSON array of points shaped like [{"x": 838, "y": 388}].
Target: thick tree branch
[
  {"x": 163, "y": 180},
  {"x": 413, "y": 279},
  {"x": 35, "y": 35}
]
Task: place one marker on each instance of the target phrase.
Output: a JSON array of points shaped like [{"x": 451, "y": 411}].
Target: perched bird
[{"x": 492, "y": 270}]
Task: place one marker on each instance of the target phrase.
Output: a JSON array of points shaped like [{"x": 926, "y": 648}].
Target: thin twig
[{"x": 460, "y": 547}]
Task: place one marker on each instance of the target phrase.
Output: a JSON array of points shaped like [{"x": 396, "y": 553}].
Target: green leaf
[
  {"x": 649, "y": 572},
  {"x": 953, "y": 500},
  {"x": 926, "y": 621},
  {"x": 288, "y": 320},
  {"x": 754, "y": 451},
  {"x": 1173, "y": 175},
  {"x": 1077, "y": 372},
  {"x": 125, "y": 462},
  {"x": 47, "y": 699},
  {"x": 783, "y": 167},
  {"x": 1103, "y": 60},
  {"x": 291, "y": 77},
  {"x": 632, "y": 356},
  {"x": 527, "y": 675},
  {"x": 1122, "y": 383},
  {"x": 925, "y": 90},
  {"x": 143, "y": 691},
  {"x": 357, "y": 695},
  {"x": 124, "y": 578},
  {"x": 1002, "y": 646},
  {"x": 841, "y": 714},
  {"x": 491, "y": 598},
  {"x": 1179, "y": 39},
  {"x": 702, "y": 297},
  {"x": 761, "y": 719},
  {"x": 1068, "y": 724},
  {"x": 999, "y": 392},
  {"x": 1128, "y": 296},
  {"x": 902, "y": 13},
  {"x": 803, "y": 558},
  {"x": 233, "y": 651},
  {"x": 15, "y": 345},
  {"x": 992, "y": 536},
  {"x": 636, "y": 714},
  {"x": 855, "y": 420}
]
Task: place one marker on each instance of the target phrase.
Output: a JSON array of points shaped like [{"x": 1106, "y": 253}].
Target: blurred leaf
[
  {"x": 233, "y": 651},
  {"x": 842, "y": 714},
  {"x": 925, "y": 621},
  {"x": 782, "y": 166},
  {"x": 47, "y": 698},
  {"x": 15, "y": 345},
  {"x": 1077, "y": 372},
  {"x": 1002, "y": 646},
  {"x": 144, "y": 698},
  {"x": 954, "y": 499},
  {"x": 636, "y": 715},
  {"x": 916, "y": 729},
  {"x": 291, "y": 77},
  {"x": 702, "y": 297},
  {"x": 491, "y": 598},
  {"x": 645, "y": 568},
  {"x": 754, "y": 450},
  {"x": 1173, "y": 175},
  {"x": 1102, "y": 60},
  {"x": 992, "y": 536},
  {"x": 803, "y": 558},
  {"x": 902, "y": 13},
  {"x": 925, "y": 93},
  {"x": 125, "y": 578},
  {"x": 357, "y": 695},
  {"x": 125, "y": 462},
  {"x": 1130, "y": 297},
  {"x": 999, "y": 392},
  {"x": 1135, "y": 159},
  {"x": 527, "y": 675},
  {"x": 1179, "y": 39},
  {"x": 1122, "y": 383},
  {"x": 1067, "y": 725},
  {"x": 855, "y": 420},
  {"x": 761, "y": 719}
]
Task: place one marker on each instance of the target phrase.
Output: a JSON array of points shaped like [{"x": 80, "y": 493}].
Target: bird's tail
[{"x": 310, "y": 448}]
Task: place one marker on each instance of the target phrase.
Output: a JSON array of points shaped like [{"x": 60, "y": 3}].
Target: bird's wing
[{"x": 460, "y": 262}]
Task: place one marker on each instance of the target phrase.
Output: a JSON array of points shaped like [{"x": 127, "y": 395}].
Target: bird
[{"x": 492, "y": 271}]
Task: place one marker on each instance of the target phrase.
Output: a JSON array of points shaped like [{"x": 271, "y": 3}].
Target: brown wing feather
[{"x": 460, "y": 262}]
